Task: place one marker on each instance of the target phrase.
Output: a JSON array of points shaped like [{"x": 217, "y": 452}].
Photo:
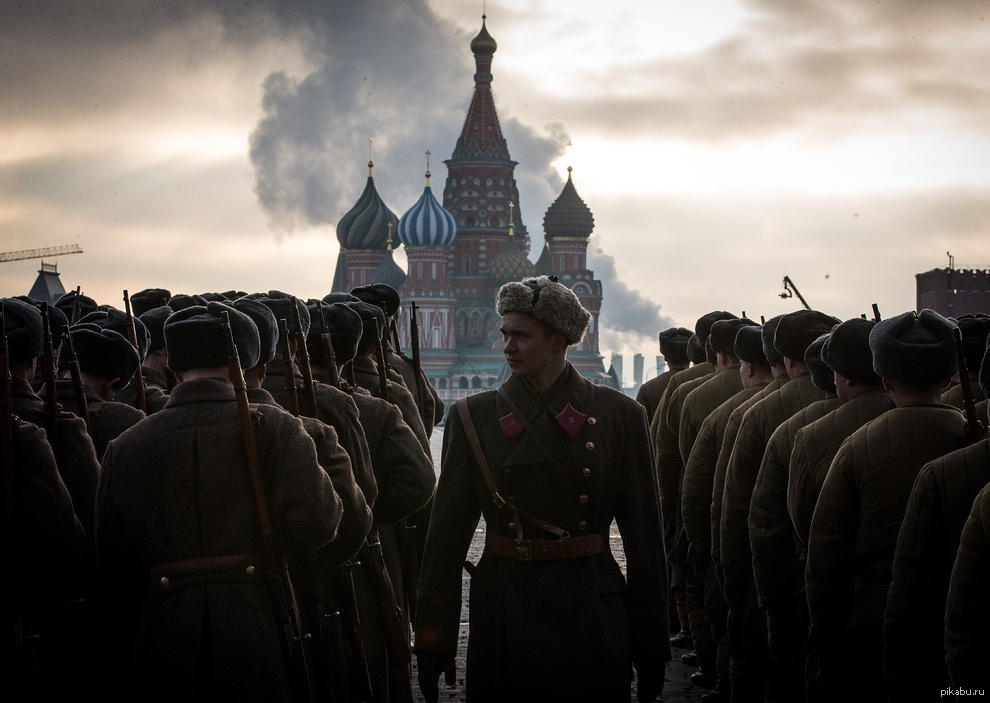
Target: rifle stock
[
  {"x": 974, "y": 428},
  {"x": 142, "y": 402},
  {"x": 395, "y": 632},
  {"x": 276, "y": 571},
  {"x": 78, "y": 391},
  {"x": 303, "y": 355},
  {"x": 48, "y": 373}
]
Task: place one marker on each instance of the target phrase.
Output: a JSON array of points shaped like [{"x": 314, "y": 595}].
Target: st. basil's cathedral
[{"x": 459, "y": 253}]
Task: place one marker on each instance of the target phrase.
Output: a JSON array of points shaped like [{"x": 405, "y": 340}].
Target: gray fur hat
[
  {"x": 194, "y": 337},
  {"x": 748, "y": 345},
  {"x": 673, "y": 344},
  {"x": 914, "y": 348},
  {"x": 154, "y": 321},
  {"x": 548, "y": 300},
  {"x": 703, "y": 326},
  {"x": 797, "y": 330},
  {"x": 264, "y": 319},
  {"x": 103, "y": 352},
  {"x": 24, "y": 330},
  {"x": 722, "y": 336},
  {"x": 695, "y": 352}
]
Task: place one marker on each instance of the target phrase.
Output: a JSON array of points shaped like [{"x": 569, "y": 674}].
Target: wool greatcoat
[
  {"x": 75, "y": 454},
  {"x": 678, "y": 377},
  {"x": 967, "y": 609},
  {"x": 954, "y": 396},
  {"x": 650, "y": 393},
  {"x": 175, "y": 487},
  {"x": 335, "y": 408},
  {"x": 107, "y": 419},
  {"x": 853, "y": 535},
  {"x": 701, "y": 402},
  {"x": 427, "y": 399},
  {"x": 155, "y": 397},
  {"x": 366, "y": 376},
  {"x": 560, "y": 629},
  {"x": 814, "y": 448},
  {"x": 913, "y": 633}
]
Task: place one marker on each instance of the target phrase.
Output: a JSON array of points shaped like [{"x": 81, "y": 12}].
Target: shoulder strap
[{"x": 464, "y": 413}]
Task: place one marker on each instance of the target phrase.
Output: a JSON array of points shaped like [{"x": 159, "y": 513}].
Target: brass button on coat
[
  {"x": 164, "y": 580},
  {"x": 583, "y": 498},
  {"x": 592, "y": 420},
  {"x": 589, "y": 445},
  {"x": 249, "y": 569},
  {"x": 586, "y": 472},
  {"x": 583, "y": 525}
]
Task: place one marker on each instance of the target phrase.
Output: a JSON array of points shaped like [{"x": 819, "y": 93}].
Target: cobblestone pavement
[{"x": 677, "y": 689}]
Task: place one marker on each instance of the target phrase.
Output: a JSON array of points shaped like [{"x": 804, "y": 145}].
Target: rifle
[
  {"x": 394, "y": 630},
  {"x": 876, "y": 313},
  {"x": 142, "y": 403},
  {"x": 414, "y": 341},
  {"x": 333, "y": 376},
  {"x": 6, "y": 433},
  {"x": 289, "y": 378},
  {"x": 974, "y": 428},
  {"x": 77, "y": 385},
  {"x": 383, "y": 391},
  {"x": 394, "y": 330},
  {"x": 303, "y": 353},
  {"x": 276, "y": 571},
  {"x": 74, "y": 318},
  {"x": 48, "y": 371}
]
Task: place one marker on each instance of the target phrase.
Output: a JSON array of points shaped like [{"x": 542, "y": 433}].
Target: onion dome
[
  {"x": 511, "y": 263},
  {"x": 427, "y": 224},
  {"x": 365, "y": 226},
  {"x": 568, "y": 216},
  {"x": 484, "y": 43},
  {"x": 388, "y": 271}
]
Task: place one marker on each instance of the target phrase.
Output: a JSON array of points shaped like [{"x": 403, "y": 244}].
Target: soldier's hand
[
  {"x": 649, "y": 680},
  {"x": 430, "y": 665}
]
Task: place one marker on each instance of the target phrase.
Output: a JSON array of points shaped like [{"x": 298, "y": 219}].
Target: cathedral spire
[{"x": 481, "y": 137}]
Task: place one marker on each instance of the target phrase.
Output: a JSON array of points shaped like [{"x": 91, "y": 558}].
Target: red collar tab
[
  {"x": 571, "y": 420},
  {"x": 511, "y": 427}
]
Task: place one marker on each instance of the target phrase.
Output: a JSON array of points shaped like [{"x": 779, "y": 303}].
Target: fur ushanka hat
[
  {"x": 914, "y": 347},
  {"x": 548, "y": 300}
]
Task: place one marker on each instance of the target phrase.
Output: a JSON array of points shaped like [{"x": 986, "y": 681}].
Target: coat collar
[
  {"x": 202, "y": 390},
  {"x": 261, "y": 397}
]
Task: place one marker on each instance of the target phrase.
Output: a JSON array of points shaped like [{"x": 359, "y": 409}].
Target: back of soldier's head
[
  {"x": 149, "y": 299},
  {"x": 722, "y": 336},
  {"x": 103, "y": 353},
  {"x": 821, "y": 375},
  {"x": 703, "y": 326},
  {"x": 195, "y": 338},
  {"x": 23, "y": 325},
  {"x": 914, "y": 351},
  {"x": 797, "y": 330},
  {"x": 344, "y": 327},
  {"x": 695, "y": 351},
  {"x": 264, "y": 319},
  {"x": 373, "y": 325},
  {"x": 674, "y": 345},
  {"x": 847, "y": 351}
]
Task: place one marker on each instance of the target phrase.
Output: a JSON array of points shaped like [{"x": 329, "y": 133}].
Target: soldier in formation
[
  {"x": 818, "y": 488},
  {"x": 150, "y": 556}
]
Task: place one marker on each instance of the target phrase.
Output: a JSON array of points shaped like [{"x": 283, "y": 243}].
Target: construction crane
[
  {"x": 65, "y": 249},
  {"x": 790, "y": 290}
]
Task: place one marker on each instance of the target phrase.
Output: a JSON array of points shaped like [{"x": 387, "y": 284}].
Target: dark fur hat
[
  {"x": 380, "y": 294},
  {"x": 847, "y": 351},
  {"x": 748, "y": 345},
  {"x": 722, "y": 336},
  {"x": 59, "y": 323},
  {"x": 796, "y": 330},
  {"x": 149, "y": 299},
  {"x": 103, "y": 352},
  {"x": 194, "y": 338},
  {"x": 181, "y": 301},
  {"x": 769, "y": 332},
  {"x": 86, "y": 304},
  {"x": 915, "y": 348},
  {"x": 703, "y": 326},
  {"x": 154, "y": 322},
  {"x": 119, "y": 322},
  {"x": 695, "y": 352},
  {"x": 372, "y": 319},
  {"x": 339, "y": 297},
  {"x": 233, "y": 294},
  {"x": 821, "y": 374},
  {"x": 282, "y": 307},
  {"x": 264, "y": 319},
  {"x": 548, "y": 300},
  {"x": 214, "y": 297},
  {"x": 344, "y": 326},
  {"x": 22, "y": 323},
  {"x": 673, "y": 344},
  {"x": 975, "y": 328}
]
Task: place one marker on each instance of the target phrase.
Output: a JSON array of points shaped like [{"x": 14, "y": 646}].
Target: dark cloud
[
  {"x": 625, "y": 310},
  {"x": 409, "y": 92}
]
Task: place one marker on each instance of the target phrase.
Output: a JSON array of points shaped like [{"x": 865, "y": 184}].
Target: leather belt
[
  {"x": 191, "y": 572},
  {"x": 546, "y": 549}
]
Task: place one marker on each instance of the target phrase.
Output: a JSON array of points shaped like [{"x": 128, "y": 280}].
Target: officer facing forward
[{"x": 549, "y": 459}]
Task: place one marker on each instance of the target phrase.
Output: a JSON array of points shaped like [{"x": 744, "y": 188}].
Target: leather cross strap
[{"x": 500, "y": 501}]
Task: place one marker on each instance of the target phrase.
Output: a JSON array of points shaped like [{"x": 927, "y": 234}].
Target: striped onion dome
[
  {"x": 568, "y": 216},
  {"x": 365, "y": 226},
  {"x": 427, "y": 224}
]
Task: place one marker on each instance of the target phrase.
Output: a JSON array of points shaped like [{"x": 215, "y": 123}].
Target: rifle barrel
[{"x": 142, "y": 403}]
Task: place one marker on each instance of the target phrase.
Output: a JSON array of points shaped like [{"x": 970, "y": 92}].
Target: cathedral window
[
  {"x": 443, "y": 383},
  {"x": 476, "y": 382},
  {"x": 462, "y": 382},
  {"x": 492, "y": 381}
]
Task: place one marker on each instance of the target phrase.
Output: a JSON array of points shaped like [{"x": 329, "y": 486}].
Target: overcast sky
[{"x": 720, "y": 144}]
